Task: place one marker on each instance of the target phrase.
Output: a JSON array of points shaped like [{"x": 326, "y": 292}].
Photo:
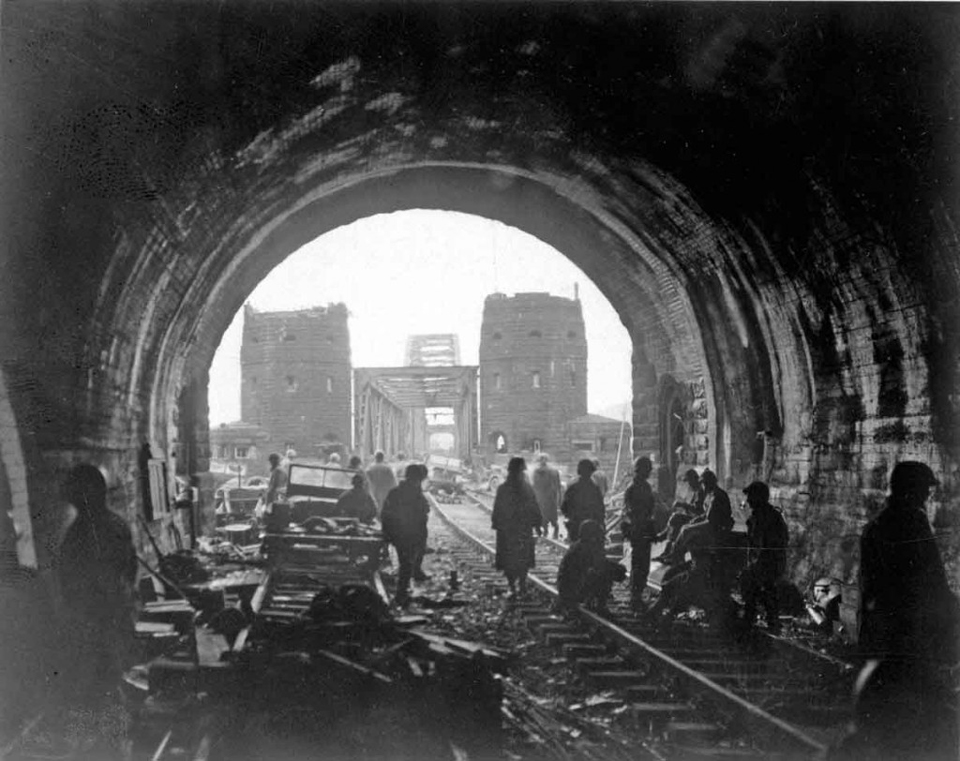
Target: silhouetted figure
[
  {"x": 98, "y": 571},
  {"x": 357, "y": 502},
  {"x": 516, "y": 515},
  {"x": 546, "y": 485},
  {"x": 689, "y": 585},
  {"x": 638, "y": 528},
  {"x": 277, "y": 482},
  {"x": 586, "y": 576},
  {"x": 404, "y": 519},
  {"x": 381, "y": 478},
  {"x": 909, "y": 632},
  {"x": 582, "y": 501},
  {"x": 767, "y": 536},
  {"x": 690, "y": 492}
]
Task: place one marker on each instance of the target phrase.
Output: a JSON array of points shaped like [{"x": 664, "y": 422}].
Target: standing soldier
[
  {"x": 515, "y": 516},
  {"x": 381, "y": 478},
  {"x": 638, "y": 528},
  {"x": 404, "y": 519},
  {"x": 767, "y": 537},
  {"x": 582, "y": 501},
  {"x": 98, "y": 570},
  {"x": 546, "y": 485},
  {"x": 909, "y": 631}
]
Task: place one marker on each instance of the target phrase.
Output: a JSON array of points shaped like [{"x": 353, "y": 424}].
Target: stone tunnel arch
[
  {"x": 771, "y": 290},
  {"x": 637, "y": 283}
]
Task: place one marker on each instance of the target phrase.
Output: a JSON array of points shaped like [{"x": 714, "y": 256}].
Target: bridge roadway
[{"x": 777, "y": 695}]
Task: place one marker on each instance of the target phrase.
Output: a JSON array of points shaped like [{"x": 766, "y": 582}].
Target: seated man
[
  {"x": 679, "y": 518},
  {"x": 357, "y": 502},
  {"x": 586, "y": 576},
  {"x": 711, "y": 530}
]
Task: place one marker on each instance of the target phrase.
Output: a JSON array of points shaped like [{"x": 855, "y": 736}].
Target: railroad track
[{"x": 762, "y": 696}]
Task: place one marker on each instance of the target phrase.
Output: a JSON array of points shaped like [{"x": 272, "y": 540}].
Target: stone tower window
[
  {"x": 497, "y": 336},
  {"x": 536, "y": 334},
  {"x": 496, "y": 381},
  {"x": 571, "y": 334},
  {"x": 291, "y": 383},
  {"x": 289, "y": 336},
  {"x": 536, "y": 379},
  {"x": 573, "y": 378}
]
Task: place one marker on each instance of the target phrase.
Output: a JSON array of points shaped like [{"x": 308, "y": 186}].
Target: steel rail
[
  {"x": 776, "y": 640},
  {"x": 679, "y": 669}
]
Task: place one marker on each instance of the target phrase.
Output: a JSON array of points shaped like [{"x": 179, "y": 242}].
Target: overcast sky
[{"x": 425, "y": 272}]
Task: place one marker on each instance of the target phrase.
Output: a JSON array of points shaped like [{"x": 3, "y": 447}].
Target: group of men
[
  {"x": 910, "y": 620},
  {"x": 582, "y": 500},
  {"x": 700, "y": 526}
]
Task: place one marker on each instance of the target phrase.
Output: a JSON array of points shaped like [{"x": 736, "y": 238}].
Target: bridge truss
[{"x": 398, "y": 408}]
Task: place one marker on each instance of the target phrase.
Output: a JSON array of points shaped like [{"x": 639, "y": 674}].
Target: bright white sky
[{"x": 425, "y": 271}]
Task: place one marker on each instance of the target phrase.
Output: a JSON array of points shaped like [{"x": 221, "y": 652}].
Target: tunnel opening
[{"x": 432, "y": 282}]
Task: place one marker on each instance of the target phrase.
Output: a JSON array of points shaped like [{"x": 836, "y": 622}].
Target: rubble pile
[{"x": 373, "y": 682}]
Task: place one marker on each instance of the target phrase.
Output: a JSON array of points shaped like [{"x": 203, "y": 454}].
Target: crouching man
[{"x": 586, "y": 576}]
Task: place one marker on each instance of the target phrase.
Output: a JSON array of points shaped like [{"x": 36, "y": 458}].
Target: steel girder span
[{"x": 391, "y": 405}]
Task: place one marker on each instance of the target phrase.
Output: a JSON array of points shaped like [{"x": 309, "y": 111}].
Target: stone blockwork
[
  {"x": 533, "y": 372},
  {"x": 295, "y": 377},
  {"x": 766, "y": 194}
]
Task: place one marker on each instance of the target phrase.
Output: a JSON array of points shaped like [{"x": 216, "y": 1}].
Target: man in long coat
[
  {"x": 546, "y": 485},
  {"x": 382, "y": 479},
  {"x": 516, "y": 516}
]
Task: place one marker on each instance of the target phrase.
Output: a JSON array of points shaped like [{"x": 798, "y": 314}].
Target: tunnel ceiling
[{"x": 765, "y": 193}]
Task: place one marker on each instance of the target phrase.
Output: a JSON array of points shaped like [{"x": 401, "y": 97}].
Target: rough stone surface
[
  {"x": 533, "y": 372},
  {"x": 295, "y": 377}
]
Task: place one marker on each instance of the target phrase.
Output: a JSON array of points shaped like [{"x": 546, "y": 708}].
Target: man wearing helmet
[
  {"x": 767, "y": 536},
  {"x": 909, "y": 631},
  {"x": 906, "y": 604}
]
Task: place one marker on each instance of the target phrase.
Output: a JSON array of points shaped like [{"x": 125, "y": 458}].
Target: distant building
[
  {"x": 601, "y": 438},
  {"x": 239, "y": 448},
  {"x": 295, "y": 377},
  {"x": 533, "y": 373}
]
